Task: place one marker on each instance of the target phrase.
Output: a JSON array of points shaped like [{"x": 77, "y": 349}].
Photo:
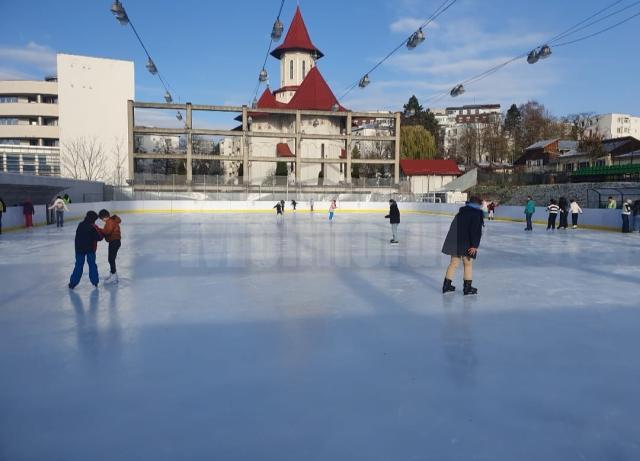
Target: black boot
[
  {"x": 447, "y": 287},
  {"x": 468, "y": 289}
]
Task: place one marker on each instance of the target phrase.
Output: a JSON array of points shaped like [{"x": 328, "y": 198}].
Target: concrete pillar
[
  {"x": 348, "y": 148},
  {"x": 189, "y": 126},
  {"x": 130, "y": 138},
  {"x": 298, "y": 148},
  {"x": 396, "y": 163},
  {"x": 244, "y": 151}
]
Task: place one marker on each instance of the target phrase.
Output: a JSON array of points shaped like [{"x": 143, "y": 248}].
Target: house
[
  {"x": 616, "y": 151},
  {"x": 427, "y": 176},
  {"x": 542, "y": 155}
]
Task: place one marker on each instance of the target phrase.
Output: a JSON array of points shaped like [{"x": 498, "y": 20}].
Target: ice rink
[{"x": 230, "y": 337}]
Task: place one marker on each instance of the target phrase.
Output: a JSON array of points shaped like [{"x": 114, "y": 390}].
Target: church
[{"x": 302, "y": 87}]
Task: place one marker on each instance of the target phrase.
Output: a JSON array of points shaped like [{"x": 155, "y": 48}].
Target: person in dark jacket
[
  {"x": 87, "y": 237},
  {"x": 635, "y": 216},
  {"x": 294, "y": 204},
  {"x": 28, "y": 211},
  {"x": 3, "y": 209},
  {"x": 563, "y": 203},
  {"x": 279, "y": 215},
  {"x": 462, "y": 242},
  {"x": 394, "y": 219}
]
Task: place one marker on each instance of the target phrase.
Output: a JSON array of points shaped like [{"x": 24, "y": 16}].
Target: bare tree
[
  {"x": 119, "y": 160},
  {"x": 84, "y": 158}
]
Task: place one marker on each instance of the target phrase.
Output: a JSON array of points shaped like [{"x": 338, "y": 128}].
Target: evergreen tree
[
  {"x": 513, "y": 120},
  {"x": 414, "y": 114},
  {"x": 281, "y": 169}
]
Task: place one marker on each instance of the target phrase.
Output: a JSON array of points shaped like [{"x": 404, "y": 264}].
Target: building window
[
  {"x": 8, "y": 121},
  {"x": 8, "y": 99},
  {"x": 304, "y": 69},
  {"x": 291, "y": 70},
  {"x": 13, "y": 142}
]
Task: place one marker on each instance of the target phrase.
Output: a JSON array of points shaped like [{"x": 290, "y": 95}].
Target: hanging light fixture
[
  {"x": 276, "y": 32},
  {"x": 545, "y": 52},
  {"x": 457, "y": 90},
  {"x": 151, "y": 67},
  {"x": 119, "y": 12},
  {"x": 364, "y": 81},
  {"x": 167, "y": 97},
  {"x": 179, "y": 115},
  {"x": 533, "y": 57},
  {"x": 263, "y": 75},
  {"x": 416, "y": 39}
]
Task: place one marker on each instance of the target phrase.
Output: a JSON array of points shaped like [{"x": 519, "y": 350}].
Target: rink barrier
[{"x": 594, "y": 219}]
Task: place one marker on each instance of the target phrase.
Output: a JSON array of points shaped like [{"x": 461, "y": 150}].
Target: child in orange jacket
[{"x": 112, "y": 234}]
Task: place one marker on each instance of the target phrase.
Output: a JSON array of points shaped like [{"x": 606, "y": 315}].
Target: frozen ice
[{"x": 231, "y": 337}]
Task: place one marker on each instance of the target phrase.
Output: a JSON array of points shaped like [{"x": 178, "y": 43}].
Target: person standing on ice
[
  {"x": 311, "y": 204},
  {"x": 626, "y": 213},
  {"x": 60, "y": 207},
  {"x": 635, "y": 216},
  {"x": 462, "y": 242},
  {"x": 294, "y": 204},
  {"x": 112, "y": 234},
  {"x": 553, "y": 210},
  {"x": 3, "y": 209},
  {"x": 529, "y": 209},
  {"x": 492, "y": 210},
  {"x": 394, "y": 219},
  {"x": 87, "y": 237},
  {"x": 282, "y": 206},
  {"x": 612, "y": 204},
  {"x": 28, "y": 211},
  {"x": 563, "y": 204},
  {"x": 575, "y": 211},
  {"x": 332, "y": 209},
  {"x": 278, "y": 209}
]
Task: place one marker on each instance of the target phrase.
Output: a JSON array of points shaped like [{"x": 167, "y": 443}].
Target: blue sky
[{"x": 211, "y": 51}]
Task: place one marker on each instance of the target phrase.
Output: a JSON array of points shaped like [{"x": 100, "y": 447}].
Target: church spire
[{"x": 297, "y": 39}]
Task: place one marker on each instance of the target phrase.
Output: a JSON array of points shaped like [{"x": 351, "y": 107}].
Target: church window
[
  {"x": 291, "y": 69},
  {"x": 304, "y": 69}
]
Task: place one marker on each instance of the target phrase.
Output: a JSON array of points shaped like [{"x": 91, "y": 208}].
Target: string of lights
[
  {"x": 123, "y": 18},
  {"x": 411, "y": 42},
  {"x": 544, "y": 51},
  {"x": 276, "y": 34}
]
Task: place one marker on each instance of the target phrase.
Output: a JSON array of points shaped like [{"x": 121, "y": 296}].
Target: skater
[
  {"x": 462, "y": 242},
  {"x": 87, "y": 237},
  {"x": 294, "y": 204},
  {"x": 635, "y": 214},
  {"x": 611, "y": 203},
  {"x": 60, "y": 207},
  {"x": 492, "y": 209},
  {"x": 311, "y": 204},
  {"x": 553, "y": 210},
  {"x": 332, "y": 209},
  {"x": 112, "y": 234},
  {"x": 3, "y": 209},
  {"x": 282, "y": 206},
  {"x": 626, "y": 213},
  {"x": 394, "y": 219},
  {"x": 563, "y": 203},
  {"x": 485, "y": 208},
  {"x": 575, "y": 211},
  {"x": 28, "y": 211},
  {"x": 278, "y": 208},
  {"x": 529, "y": 209}
]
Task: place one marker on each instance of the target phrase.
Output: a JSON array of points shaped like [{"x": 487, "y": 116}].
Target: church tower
[{"x": 297, "y": 56}]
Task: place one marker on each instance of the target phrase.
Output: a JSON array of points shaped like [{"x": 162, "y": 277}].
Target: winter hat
[{"x": 91, "y": 217}]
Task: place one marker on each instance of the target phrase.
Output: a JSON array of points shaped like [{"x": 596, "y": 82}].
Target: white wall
[
  {"x": 92, "y": 100},
  {"x": 599, "y": 218}
]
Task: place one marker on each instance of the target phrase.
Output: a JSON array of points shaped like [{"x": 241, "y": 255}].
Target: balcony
[{"x": 25, "y": 109}]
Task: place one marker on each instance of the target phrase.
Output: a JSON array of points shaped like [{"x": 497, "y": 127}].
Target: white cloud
[
  {"x": 409, "y": 25},
  {"x": 13, "y": 74},
  {"x": 32, "y": 54}
]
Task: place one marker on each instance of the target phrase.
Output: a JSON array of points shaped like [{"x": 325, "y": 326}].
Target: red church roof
[
  {"x": 297, "y": 38},
  {"x": 429, "y": 167},
  {"x": 314, "y": 94},
  {"x": 283, "y": 150}
]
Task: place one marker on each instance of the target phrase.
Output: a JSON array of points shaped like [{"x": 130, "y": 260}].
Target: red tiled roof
[
  {"x": 297, "y": 38},
  {"x": 268, "y": 101},
  {"x": 429, "y": 167},
  {"x": 314, "y": 94},
  {"x": 283, "y": 150}
]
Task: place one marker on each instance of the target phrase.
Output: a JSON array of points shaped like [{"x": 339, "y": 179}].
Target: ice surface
[{"x": 232, "y": 338}]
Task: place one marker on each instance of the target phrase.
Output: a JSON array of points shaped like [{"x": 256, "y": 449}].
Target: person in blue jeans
[
  {"x": 87, "y": 237},
  {"x": 529, "y": 209}
]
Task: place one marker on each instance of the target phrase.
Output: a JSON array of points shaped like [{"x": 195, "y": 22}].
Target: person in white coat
[
  {"x": 59, "y": 206},
  {"x": 575, "y": 211}
]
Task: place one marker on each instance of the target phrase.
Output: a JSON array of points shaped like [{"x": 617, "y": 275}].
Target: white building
[
  {"x": 455, "y": 121},
  {"x": 85, "y": 105},
  {"x": 302, "y": 88},
  {"x": 612, "y": 125}
]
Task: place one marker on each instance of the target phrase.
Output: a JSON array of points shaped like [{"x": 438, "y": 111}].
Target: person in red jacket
[
  {"x": 28, "y": 211},
  {"x": 112, "y": 234}
]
